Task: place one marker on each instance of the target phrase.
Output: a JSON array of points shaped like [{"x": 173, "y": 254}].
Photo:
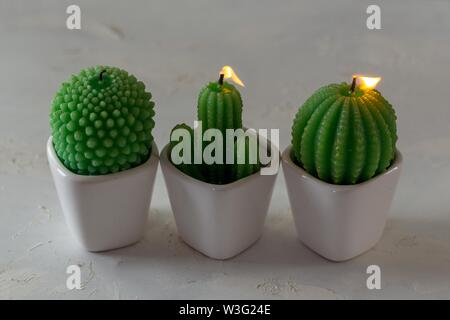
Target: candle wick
[
  {"x": 101, "y": 75},
  {"x": 353, "y": 86},
  {"x": 221, "y": 79}
]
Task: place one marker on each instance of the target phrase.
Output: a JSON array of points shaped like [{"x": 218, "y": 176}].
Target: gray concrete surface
[{"x": 283, "y": 51}]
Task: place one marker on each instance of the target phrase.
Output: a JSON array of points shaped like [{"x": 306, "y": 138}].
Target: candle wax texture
[
  {"x": 220, "y": 107},
  {"x": 190, "y": 169},
  {"x": 101, "y": 121},
  {"x": 344, "y": 137}
]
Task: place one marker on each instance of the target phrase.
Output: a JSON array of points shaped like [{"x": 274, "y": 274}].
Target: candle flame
[
  {"x": 228, "y": 73},
  {"x": 367, "y": 83}
]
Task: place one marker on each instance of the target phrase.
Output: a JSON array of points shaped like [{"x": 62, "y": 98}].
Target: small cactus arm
[
  {"x": 191, "y": 169},
  {"x": 251, "y": 162}
]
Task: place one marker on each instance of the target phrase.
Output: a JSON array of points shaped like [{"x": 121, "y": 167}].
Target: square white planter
[
  {"x": 220, "y": 221},
  {"x": 339, "y": 222},
  {"x": 106, "y": 211}
]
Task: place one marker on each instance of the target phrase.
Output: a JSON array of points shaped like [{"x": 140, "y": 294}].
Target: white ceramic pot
[
  {"x": 107, "y": 211},
  {"x": 220, "y": 221},
  {"x": 339, "y": 222}
]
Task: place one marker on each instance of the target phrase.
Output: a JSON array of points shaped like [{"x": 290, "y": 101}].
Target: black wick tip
[
  {"x": 221, "y": 79},
  {"x": 353, "y": 86},
  {"x": 101, "y": 75}
]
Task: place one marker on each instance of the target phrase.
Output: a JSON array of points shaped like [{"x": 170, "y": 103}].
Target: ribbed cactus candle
[
  {"x": 220, "y": 107},
  {"x": 101, "y": 121},
  {"x": 345, "y": 134}
]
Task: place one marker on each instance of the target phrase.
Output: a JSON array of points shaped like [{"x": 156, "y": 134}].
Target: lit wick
[
  {"x": 221, "y": 79},
  {"x": 228, "y": 73},
  {"x": 352, "y": 88}
]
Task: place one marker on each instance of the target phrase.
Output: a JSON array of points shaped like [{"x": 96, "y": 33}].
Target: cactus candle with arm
[{"x": 220, "y": 107}]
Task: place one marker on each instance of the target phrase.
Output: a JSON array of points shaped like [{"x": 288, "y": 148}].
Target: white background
[{"x": 283, "y": 51}]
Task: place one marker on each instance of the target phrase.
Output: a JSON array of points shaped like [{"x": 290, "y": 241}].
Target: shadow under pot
[
  {"x": 219, "y": 221},
  {"x": 109, "y": 211},
  {"x": 339, "y": 222}
]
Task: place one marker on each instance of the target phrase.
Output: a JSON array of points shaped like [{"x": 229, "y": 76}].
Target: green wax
[
  {"x": 344, "y": 137},
  {"x": 219, "y": 107},
  {"x": 218, "y": 173},
  {"x": 101, "y": 121},
  {"x": 191, "y": 169}
]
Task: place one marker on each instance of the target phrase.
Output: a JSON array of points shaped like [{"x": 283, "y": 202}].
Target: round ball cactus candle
[
  {"x": 345, "y": 134},
  {"x": 101, "y": 121}
]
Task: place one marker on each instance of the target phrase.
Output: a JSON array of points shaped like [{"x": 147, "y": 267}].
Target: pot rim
[
  {"x": 286, "y": 159},
  {"x": 218, "y": 187},
  {"x": 62, "y": 170}
]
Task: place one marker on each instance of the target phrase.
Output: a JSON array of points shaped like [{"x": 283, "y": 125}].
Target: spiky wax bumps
[{"x": 102, "y": 121}]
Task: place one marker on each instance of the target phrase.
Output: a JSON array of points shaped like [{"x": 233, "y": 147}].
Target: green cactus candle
[
  {"x": 101, "y": 121},
  {"x": 220, "y": 107},
  {"x": 345, "y": 134}
]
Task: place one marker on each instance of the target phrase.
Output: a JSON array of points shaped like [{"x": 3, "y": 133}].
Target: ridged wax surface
[
  {"x": 342, "y": 137},
  {"x": 219, "y": 107},
  {"x": 101, "y": 121}
]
